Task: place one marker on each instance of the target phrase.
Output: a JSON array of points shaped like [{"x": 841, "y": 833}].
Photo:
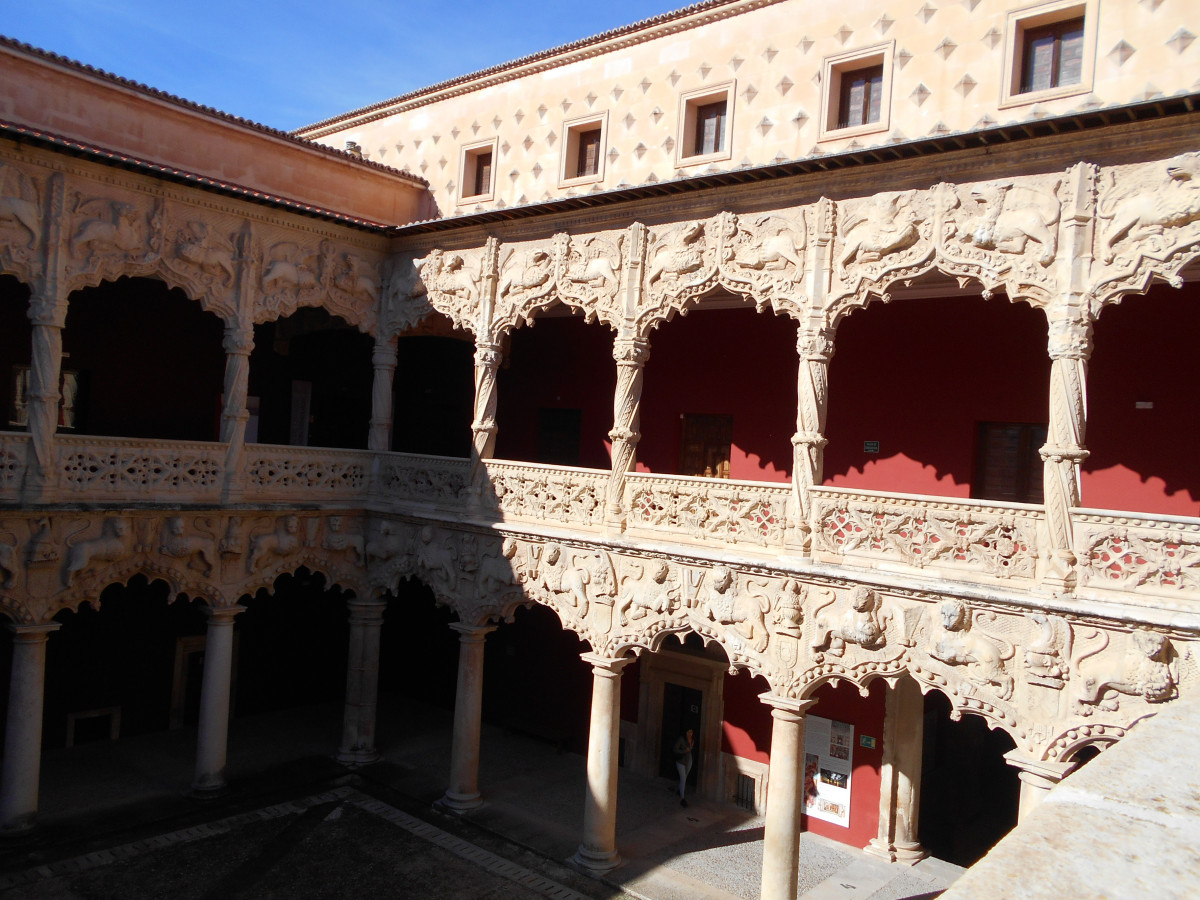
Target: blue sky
[{"x": 291, "y": 64}]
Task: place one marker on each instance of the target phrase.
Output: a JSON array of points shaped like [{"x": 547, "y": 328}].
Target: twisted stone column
[
  {"x": 23, "y": 729},
  {"x": 463, "y": 792},
  {"x": 483, "y": 427},
  {"x": 238, "y": 344},
  {"x": 785, "y": 794},
  {"x": 1038, "y": 778},
  {"x": 900, "y": 775},
  {"x": 362, "y": 683},
  {"x": 631, "y": 355},
  {"x": 598, "y": 851},
  {"x": 213, "y": 735},
  {"x": 1070, "y": 348},
  {"x": 815, "y": 349},
  {"x": 47, "y": 319},
  {"x": 384, "y": 361}
]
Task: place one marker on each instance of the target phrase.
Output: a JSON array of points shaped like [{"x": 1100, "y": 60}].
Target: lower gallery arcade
[{"x": 900, "y": 556}]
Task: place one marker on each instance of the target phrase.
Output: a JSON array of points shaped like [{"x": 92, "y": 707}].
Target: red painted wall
[
  {"x": 1145, "y": 459},
  {"x": 723, "y": 362},
  {"x": 918, "y": 376},
  {"x": 746, "y": 729},
  {"x": 559, "y": 363}
]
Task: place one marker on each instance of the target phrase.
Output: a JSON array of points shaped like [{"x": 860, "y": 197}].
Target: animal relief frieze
[
  {"x": 293, "y": 276},
  {"x": 20, "y": 223},
  {"x": 588, "y": 274},
  {"x": 681, "y": 265},
  {"x": 453, "y": 281},
  {"x": 525, "y": 285},
  {"x": 965, "y": 645},
  {"x": 202, "y": 256},
  {"x": 1141, "y": 664},
  {"x": 111, "y": 237},
  {"x": 762, "y": 257},
  {"x": 1002, "y": 233},
  {"x": 878, "y": 240}
]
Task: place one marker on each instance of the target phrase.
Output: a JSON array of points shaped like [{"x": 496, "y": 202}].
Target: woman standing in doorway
[{"x": 683, "y": 761}]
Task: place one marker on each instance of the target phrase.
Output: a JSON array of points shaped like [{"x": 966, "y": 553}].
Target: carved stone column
[
  {"x": 900, "y": 775},
  {"x": 488, "y": 357},
  {"x": 238, "y": 344},
  {"x": 47, "y": 317},
  {"x": 23, "y": 731},
  {"x": 598, "y": 851},
  {"x": 631, "y": 355},
  {"x": 785, "y": 794},
  {"x": 1038, "y": 777},
  {"x": 362, "y": 683},
  {"x": 1070, "y": 347},
  {"x": 213, "y": 736},
  {"x": 384, "y": 360},
  {"x": 463, "y": 792},
  {"x": 815, "y": 348}
]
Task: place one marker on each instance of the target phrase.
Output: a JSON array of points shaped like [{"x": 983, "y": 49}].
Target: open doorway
[{"x": 681, "y": 711}]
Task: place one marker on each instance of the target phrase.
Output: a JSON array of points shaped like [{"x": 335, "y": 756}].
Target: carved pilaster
[
  {"x": 383, "y": 359},
  {"x": 814, "y": 345},
  {"x": 631, "y": 355},
  {"x": 483, "y": 426},
  {"x": 1070, "y": 346}
]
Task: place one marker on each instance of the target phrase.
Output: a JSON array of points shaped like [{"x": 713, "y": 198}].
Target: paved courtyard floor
[{"x": 115, "y": 824}]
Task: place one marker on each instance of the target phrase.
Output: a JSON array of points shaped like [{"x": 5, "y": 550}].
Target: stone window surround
[
  {"x": 689, "y": 103},
  {"x": 466, "y": 171},
  {"x": 571, "y": 130},
  {"x": 1019, "y": 21},
  {"x": 832, "y": 68}
]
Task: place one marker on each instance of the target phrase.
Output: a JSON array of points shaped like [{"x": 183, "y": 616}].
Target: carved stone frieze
[
  {"x": 1145, "y": 669},
  {"x": 453, "y": 282},
  {"x": 541, "y": 494},
  {"x": 1160, "y": 558},
  {"x": 110, "y": 236},
  {"x": 20, "y": 223},
  {"x": 525, "y": 284},
  {"x": 588, "y": 275},
  {"x": 709, "y": 510},
  {"x": 681, "y": 265},
  {"x": 293, "y": 275},
  {"x": 879, "y": 240},
  {"x": 762, "y": 257}
]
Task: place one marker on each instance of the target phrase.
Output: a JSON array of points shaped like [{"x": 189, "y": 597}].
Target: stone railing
[
  {"x": 994, "y": 540},
  {"x": 437, "y": 480},
  {"x": 13, "y": 450},
  {"x": 709, "y": 510},
  {"x": 299, "y": 474},
  {"x": 547, "y": 493},
  {"x": 109, "y": 468},
  {"x": 1143, "y": 553}
]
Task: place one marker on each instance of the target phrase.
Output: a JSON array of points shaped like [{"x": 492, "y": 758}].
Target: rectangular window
[
  {"x": 483, "y": 174},
  {"x": 710, "y": 128},
  {"x": 1052, "y": 56},
  {"x": 861, "y": 97},
  {"x": 706, "y": 445},
  {"x": 588, "y": 162},
  {"x": 1009, "y": 466}
]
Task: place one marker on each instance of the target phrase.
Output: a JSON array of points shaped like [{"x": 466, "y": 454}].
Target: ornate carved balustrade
[
  {"x": 304, "y": 473},
  {"x": 13, "y": 449},
  {"x": 538, "y": 493},
  {"x": 966, "y": 539},
  {"x": 1124, "y": 552},
  {"x": 431, "y": 480},
  {"x": 709, "y": 510},
  {"x": 107, "y": 469}
]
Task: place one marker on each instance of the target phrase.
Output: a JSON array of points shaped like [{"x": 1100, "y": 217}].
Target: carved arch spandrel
[
  {"x": 680, "y": 268},
  {"x": 590, "y": 273},
  {"x": 453, "y": 283},
  {"x": 1147, "y": 227},
  {"x": 290, "y": 272},
  {"x": 23, "y": 201}
]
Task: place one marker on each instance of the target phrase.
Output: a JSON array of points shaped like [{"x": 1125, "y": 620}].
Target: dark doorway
[
  {"x": 706, "y": 446},
  {"x": 559, "y": 434},
  {"x": 1008, "y": 466},
  {"x": 681, "y": 711},
  {"x": 969, "y": 793}
]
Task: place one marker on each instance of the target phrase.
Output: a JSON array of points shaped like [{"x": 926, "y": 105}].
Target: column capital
[
  {"x": 1070, "y": 333},
  {"x": 488, "y": 353},
  {"x": 238, "y": 338},
  {"x": 223, "y": 615},
  {"x": 468, "y": 633},
  {"x": 606, "y": 666},
  {"x": 31, "y": 634},
  {"x": 631, "y": 350},
  {"x": 1043, "y": 773},
  {"x": 366, "y": 612},
  {"x": 786, "y": 708},
  {"x": 815, "y": 343}
]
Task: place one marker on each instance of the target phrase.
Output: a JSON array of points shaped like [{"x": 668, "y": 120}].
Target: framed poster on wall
[{"x": 828, "y": 764}]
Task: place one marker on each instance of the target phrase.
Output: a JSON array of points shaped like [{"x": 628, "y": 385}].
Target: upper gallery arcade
[{"x": 826, "y": 345}]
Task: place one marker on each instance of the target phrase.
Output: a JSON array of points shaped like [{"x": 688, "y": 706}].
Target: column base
[
  {"x": 596, "y": 861},
  {"x": 908, "y": 854},
  {"x": 208, "y": 791},
  {"x": 460, "y": 803},
  {"x": 355, "y": 759}
]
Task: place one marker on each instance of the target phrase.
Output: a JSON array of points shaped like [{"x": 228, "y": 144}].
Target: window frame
[
  {"x": 1021, "y": 21},
  {"x": 468, "y": 158},
  {"x": 833, "y": 69},
  {"x": 572, "y": 130},
  {"x": 690, "y": 104}
]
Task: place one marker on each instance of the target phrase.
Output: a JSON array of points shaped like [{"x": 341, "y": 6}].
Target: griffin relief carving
[
  {"x": 879, "y": 226},
  {"x": 284, "y": 540},
  {"x": 653, "y": 591},
  {"x": 858, "y": 621},
  {"x": 1145, "y": 670},
  {"x": 114, "y": 544},
  {"x": 589, "y": 274},
  {"x": 196, "y": 551},
  {"x": 452, "y": 287},
  {"x": 1005, "y": 217},
  {"x": 1144, "y": 203},
  {"x": 198, "y": 245},
  {"x": 980, "y": 654},
  {"x": 741, "y": 612}
]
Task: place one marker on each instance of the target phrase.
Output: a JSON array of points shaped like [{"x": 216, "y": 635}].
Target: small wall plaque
[
  {"x": 870, "y": 446},
  {"x": 866, "y": 742}
]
